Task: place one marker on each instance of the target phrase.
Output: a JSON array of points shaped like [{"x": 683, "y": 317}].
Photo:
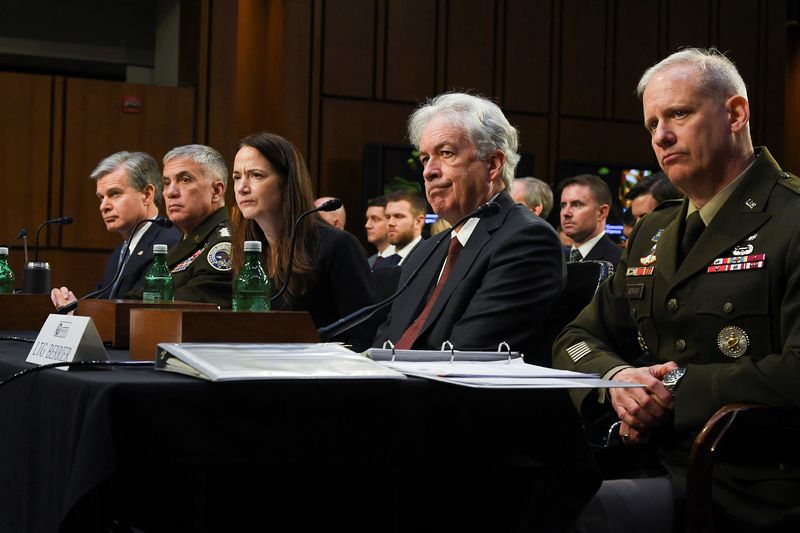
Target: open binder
[{"x": 500, "y": 369}]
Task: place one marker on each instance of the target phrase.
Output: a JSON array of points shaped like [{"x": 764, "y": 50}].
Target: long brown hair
[{"x": 295, "y": 184}]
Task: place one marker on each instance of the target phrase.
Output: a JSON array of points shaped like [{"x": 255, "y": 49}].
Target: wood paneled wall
[
  {"x": 563, "y": 70},
  {"x": 332, "y": 75},
  {"x": 54, "y": 131}
]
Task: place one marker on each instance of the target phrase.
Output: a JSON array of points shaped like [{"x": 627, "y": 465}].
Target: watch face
[{"x": 672, "y": 377}]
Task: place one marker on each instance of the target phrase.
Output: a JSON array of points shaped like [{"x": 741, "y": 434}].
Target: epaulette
[
  {"x": 668, "y": 203},
  {"x": 790, "y": 181}
]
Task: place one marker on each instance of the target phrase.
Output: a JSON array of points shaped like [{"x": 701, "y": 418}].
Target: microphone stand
[
  {"x": 71, "y": 306},
  {"x": 331, "y": 205},
  {"x": 360, "y": 315}
]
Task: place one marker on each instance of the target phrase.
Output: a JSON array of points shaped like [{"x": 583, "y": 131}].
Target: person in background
[
  {"x": 439, "y": 226},
  {"x": 376, "y": 230},
  {"x": 534, "y": 194},
  {"x": 330, "y": 275},
  {"x": 128, "y": 185},
  {"x": 649, "y": 192},
  {"x": 335, "y": 218},
  {"x": 585, "y": 203},
  {"x": 405, "y": 216}
]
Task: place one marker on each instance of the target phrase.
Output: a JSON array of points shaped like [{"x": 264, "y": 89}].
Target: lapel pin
[{"x": 750, "y": 203}]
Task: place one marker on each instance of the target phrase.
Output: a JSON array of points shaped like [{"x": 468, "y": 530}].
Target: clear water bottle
[
  {"x": 6, "y": 274},
  {"x": 251, "y": 291},
  {"x": 158, "y": 280}
]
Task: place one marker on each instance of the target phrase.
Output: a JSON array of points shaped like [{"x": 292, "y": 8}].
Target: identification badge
[{"x": 634, "y": 291}]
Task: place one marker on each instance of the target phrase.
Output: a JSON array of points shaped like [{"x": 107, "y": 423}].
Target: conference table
[{"x": 134, "y": 447}]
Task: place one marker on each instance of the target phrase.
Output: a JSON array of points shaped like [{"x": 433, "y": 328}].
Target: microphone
[
  {"x": 360, "y": 315},
  {"x": 71, "y": 306},
  {"x": 22, "y": 234},
  {"x": 331, "y": 205},
  {"x": 59, "y": 220}
]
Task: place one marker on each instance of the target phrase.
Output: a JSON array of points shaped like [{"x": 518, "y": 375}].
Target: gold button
[
  {"x": 728, "y": 307},
  {"x": 672, "y": 305}
]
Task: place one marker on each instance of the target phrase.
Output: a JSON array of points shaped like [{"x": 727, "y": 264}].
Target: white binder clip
[
  {"x": 508, "y": 350},
  {"x": 390, "y": 346},
  {"x": 448, "y": 345}
]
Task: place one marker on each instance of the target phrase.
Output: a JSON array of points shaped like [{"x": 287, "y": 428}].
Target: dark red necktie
[{"x": 410, "y": 335}]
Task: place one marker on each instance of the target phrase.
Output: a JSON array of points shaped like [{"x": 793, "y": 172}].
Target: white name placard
[{"x": 66, "y": 338}]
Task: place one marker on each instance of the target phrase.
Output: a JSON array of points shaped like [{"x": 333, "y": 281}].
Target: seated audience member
[
  {"x": 128, "y": 186},
  {"x": 405, "y": 218},
  {"x": 330, "y": 275},
  {"x": 649, "y": 192},
  {"x": 534, "y": 194},
  {"x": 585, "y": 202},
  {"x": 376, "y": 231},
  {"x": 501, "y": 275},
  {"x": 335, "y": 218},
  {"x": 708, "y": 288}
]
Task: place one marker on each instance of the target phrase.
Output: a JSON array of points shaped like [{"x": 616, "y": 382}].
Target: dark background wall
[{"x": 332, "y": 75}]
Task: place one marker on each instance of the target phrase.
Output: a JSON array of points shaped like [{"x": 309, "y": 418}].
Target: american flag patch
[
  {"x": 183, "y": 265},
  {"x": 577, "y": 351}
]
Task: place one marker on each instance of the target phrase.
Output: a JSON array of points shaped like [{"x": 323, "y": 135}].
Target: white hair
[
  {"x": 486, "y": 126},
  {"x": 212, "y": 162}
]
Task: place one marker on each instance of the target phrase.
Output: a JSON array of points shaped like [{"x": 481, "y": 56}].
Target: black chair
[{"x": 583, "y": 279}]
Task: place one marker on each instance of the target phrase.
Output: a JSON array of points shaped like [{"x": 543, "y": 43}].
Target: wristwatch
[{"x": 672, "y": 378}]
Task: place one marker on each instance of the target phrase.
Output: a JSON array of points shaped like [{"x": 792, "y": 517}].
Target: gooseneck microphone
[
  {"x": 360, "y": 315},
  {"x": 22, "y": 234},
  {"x": 331, "y": 205},
  {"x": 59, "y": 220},
  {"x": 159, "y": 220}
]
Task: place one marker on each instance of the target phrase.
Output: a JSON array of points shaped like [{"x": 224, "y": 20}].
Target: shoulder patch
[
  {"x": 219, "y": 257},
  {"x": 668, "y": 203},
  {"x": 790, "y": 181}
]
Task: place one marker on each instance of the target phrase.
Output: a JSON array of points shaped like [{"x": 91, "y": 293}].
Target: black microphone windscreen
[
  {"x": 331, "y": 205},
  {"x": 22, "y": 233},
  {"x": 67, "y": 220}
]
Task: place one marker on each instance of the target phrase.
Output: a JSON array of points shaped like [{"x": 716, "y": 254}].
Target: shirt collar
[
  {"x": 710, "y": 210},
  {"x": 586, "y": 247}
]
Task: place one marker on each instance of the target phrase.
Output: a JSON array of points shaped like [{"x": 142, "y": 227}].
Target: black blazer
[
  {"x": 506, "y": 283},
  {"x": 605, "y": 250},
  {"x": 140, "y": 258}
]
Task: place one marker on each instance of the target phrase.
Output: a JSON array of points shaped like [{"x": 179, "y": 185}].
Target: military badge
[
  {"x": 648, "y": 259},
  {"x": 657, "y": 235},
  {"x": 733, "y": 341},
  {"x": 219, "y": 256},
  {"x": 752, "y": 237},
  {"x": 750, "y": 203},
  {"x": 183, "y": 265},
  {"x": 224, "y": 232},
  {"x": 743, "y": 250}
]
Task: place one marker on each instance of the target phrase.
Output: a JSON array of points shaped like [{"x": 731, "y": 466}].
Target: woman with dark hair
[{"x": 330, "y": 274}]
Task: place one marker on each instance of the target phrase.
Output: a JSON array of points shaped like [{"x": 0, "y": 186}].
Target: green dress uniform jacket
[
  {"x": 201, "y": 263},
  {"x": 729, "y": 314}
]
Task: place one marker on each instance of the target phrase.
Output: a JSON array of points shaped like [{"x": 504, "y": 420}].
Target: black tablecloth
[{"x": 82, "y": 449}]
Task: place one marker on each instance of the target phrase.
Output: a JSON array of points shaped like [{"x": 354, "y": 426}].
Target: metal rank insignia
[
  {"x": 742, "y": 262},
  {"x": 733, "y": 341},
  {"x": 640, "y": 271}
]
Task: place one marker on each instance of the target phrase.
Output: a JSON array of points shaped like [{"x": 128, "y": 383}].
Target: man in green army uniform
[
  {"x": 709, "y": 290},
  {"x": 195, "y": 179}
]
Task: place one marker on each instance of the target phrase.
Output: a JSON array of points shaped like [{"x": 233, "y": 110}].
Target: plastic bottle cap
[
  {"x": 4, "y": 250},
  {"x": 252, "y": 246},
  {"x": 159, "y": 248}
]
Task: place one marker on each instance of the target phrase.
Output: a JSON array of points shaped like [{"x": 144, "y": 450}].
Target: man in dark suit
[
  {"x": 494, "y": 279},
  {"x": 708, "y": 289},
  {"x": 128, "y": 186},
  {"x": 585, "y": 201}
]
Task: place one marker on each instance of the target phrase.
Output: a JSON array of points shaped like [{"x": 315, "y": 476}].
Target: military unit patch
[
  {"x": 733, "y": 341},
  {"x": 183, "y": 265},
  {"x": 219, "y": 257}
]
